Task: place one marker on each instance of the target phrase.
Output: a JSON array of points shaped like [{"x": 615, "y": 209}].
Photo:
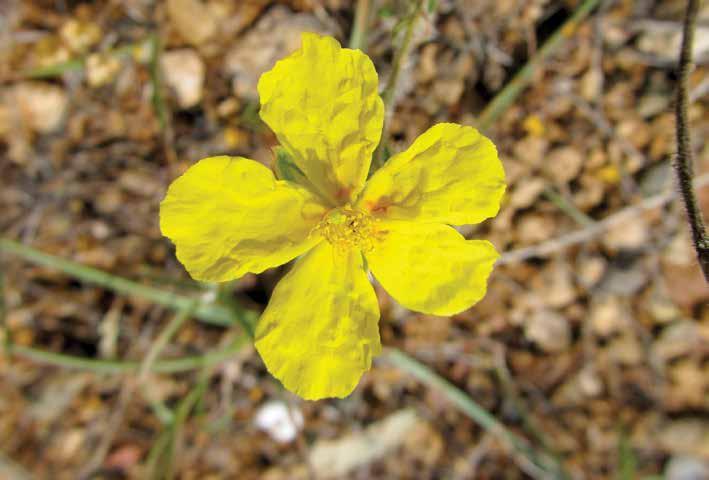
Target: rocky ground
[{"x": 594, "y": 347}]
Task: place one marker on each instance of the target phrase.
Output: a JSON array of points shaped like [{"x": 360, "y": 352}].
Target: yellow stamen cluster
[{"x": 346, "y": 228}]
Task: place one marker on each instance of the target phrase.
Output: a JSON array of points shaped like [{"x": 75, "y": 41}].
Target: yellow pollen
[{"x": 346, "y": 228}]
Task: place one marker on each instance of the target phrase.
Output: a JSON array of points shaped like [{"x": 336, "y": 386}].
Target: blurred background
[{"x": 589, "y": 357}]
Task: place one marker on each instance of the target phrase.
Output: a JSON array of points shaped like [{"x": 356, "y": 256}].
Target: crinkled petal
[
  {"x": 323, "y": 105},
  {"x": 229, "y": 215},
  {"x": 450, "y": 174},
  {"x": 320, "y": 330},
  {"x": 430, "y": 267}
]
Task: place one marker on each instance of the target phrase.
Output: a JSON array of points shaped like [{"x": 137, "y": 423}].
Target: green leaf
[
  {"x": 432, "y": 6},
  {"x": 250, "y": 119}
]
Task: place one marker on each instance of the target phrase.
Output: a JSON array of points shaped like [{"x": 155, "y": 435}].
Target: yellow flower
[{"x": 229, "y": 215}]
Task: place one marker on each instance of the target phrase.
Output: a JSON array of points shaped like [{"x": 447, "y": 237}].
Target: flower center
[{"x": 346, "y": 227}]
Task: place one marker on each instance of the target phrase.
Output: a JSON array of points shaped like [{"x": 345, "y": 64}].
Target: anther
[{"x": 347, "y": 227}]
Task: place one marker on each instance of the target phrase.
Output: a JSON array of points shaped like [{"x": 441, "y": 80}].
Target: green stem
[
  {"x": 157, "y": 99},
  {"x": 389, "y": 93},
  {"x": 208, "y": 313},
  {"x": 510, "y": 390},
  {"x": 77, "y": 63},
  {"x": 470, "y": 408},
  {"x": 160, "y": 410},
  {"x": 5, "y": 337},
  {"x": 164, "y": 337},
  {"x": 181, "y": 413},
  {"x": 155, "y": 455},
  {"x": 160, "y": 105},
  {"x": 521, "y": 80},
  {"x": 128, "y": 366},
  {"x": 161, "y": 459},
  {"x": 56, "y": 69},
  {"x": 567, "y": 207},
  {"x": 358, "y": 39}
]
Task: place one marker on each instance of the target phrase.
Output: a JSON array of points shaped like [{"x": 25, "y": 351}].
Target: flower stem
[
  {"x": 474, "y": 411},
  {"x": 683, "y": 164},
  {"x": 164, "y": 337},
  {"x": 519, "y": 82},
  {"x": 389, "y": 93},
  {"x": 209, "y": 313}
]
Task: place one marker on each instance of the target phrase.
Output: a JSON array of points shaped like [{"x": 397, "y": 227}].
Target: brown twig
[{"x": 683, "y": 163}]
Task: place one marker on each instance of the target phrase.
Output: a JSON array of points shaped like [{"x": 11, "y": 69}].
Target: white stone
[
  {"x": 279, "y": 421},
  {"x": 193, "y": 20},
  {"x": 549, "y": 330},
  {"x": 184, "y": 73},
  {"x": 39, "y": 106}
]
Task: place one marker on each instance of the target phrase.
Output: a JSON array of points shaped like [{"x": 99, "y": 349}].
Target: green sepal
[{"x": 285, "y": 167}]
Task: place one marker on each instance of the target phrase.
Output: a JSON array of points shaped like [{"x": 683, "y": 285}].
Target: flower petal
[
  {"x": 228, "y": 216},
  {"x": 430, "y": 267},
  {"x": 322, "y": 103},
  {"x": 450, "y": 174},
  {"x": 320, "y": 330}
]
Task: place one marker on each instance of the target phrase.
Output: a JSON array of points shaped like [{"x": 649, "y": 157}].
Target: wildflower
[{"x": 229, "y": 215}]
